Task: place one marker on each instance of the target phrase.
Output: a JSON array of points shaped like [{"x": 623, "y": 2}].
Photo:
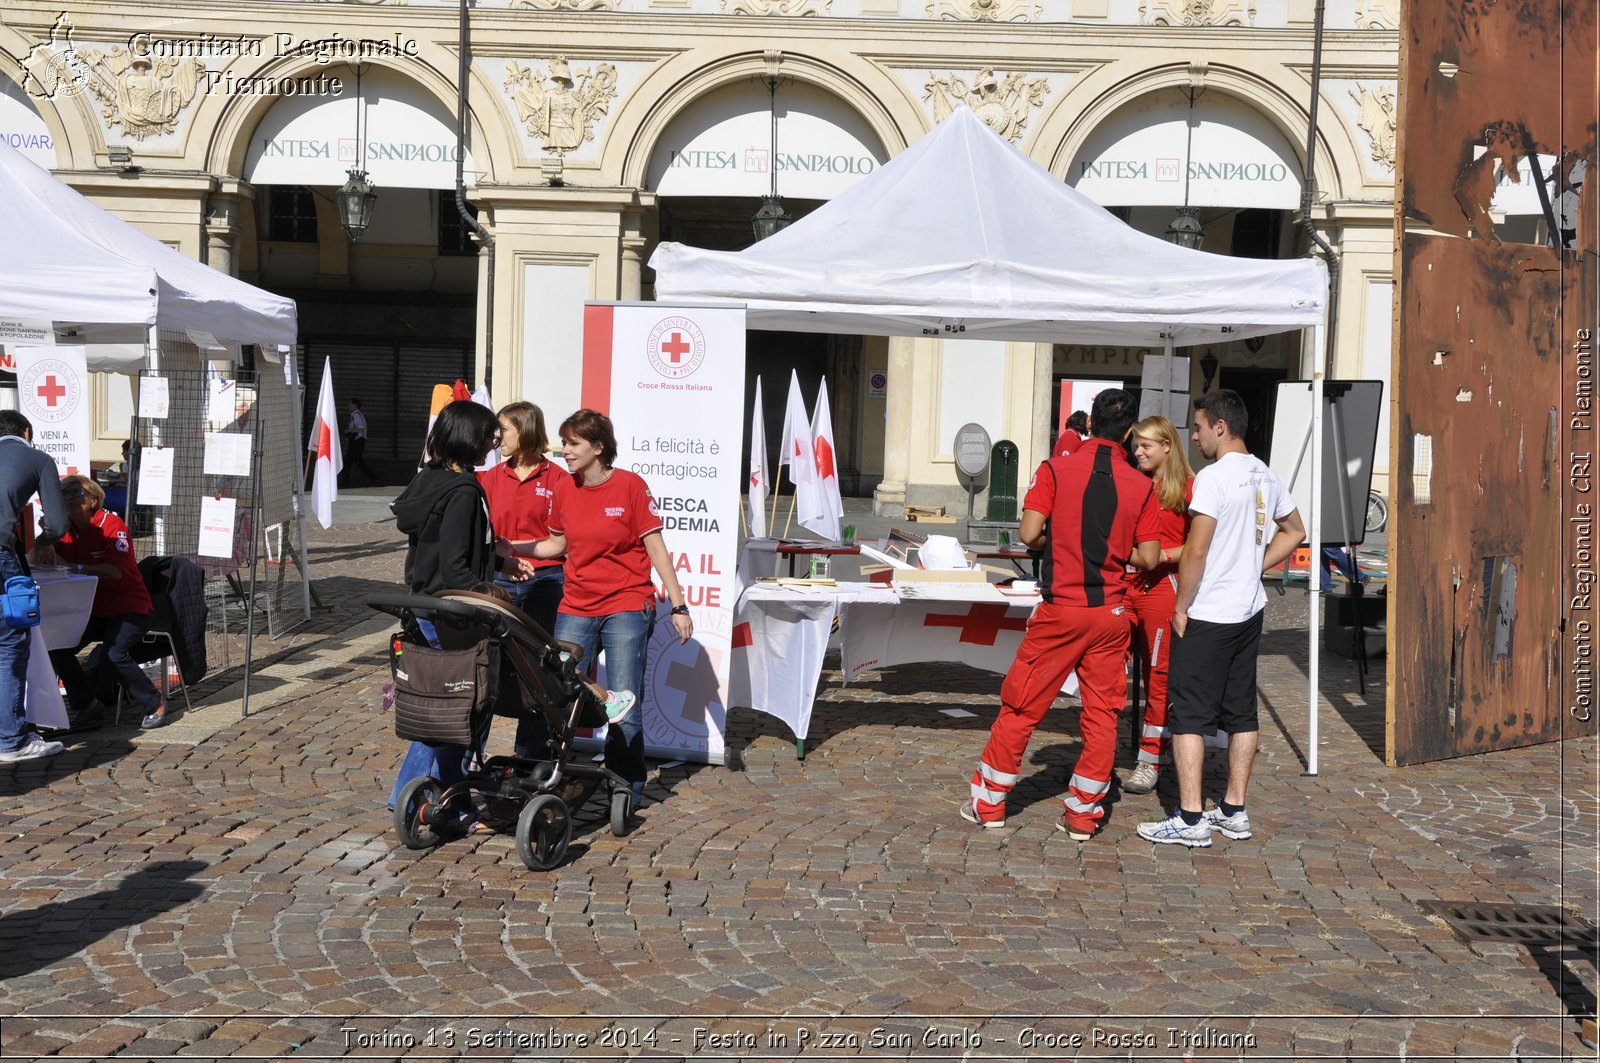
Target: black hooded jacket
[{"x": 445, "y": 516}]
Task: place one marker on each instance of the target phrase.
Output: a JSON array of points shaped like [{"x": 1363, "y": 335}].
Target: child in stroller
[{"x": 493, "y": 660}]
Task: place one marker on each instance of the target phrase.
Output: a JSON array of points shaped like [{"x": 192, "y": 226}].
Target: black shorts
[{"x": 1211, "y": 678}]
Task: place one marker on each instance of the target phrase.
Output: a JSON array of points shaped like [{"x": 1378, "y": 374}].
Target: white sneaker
[
  {"x": 1142, "y": 781},
  {"x": 970, "y": 814},
  {"x": 34, "y": 748},
  {"x": 1236, "y": 826},
  {"x": 1175, "y": 831}
]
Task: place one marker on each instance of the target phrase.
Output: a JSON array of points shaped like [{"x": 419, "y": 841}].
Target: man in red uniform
[
  {"x": 1071, "y": 437},
  {"x": 98, "y": 543},
  {"x": 1092, "y": 514}
]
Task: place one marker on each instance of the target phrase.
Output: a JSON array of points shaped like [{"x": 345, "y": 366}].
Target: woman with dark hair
[
  {"x": 521, "y": 492},
  {"x": 450, "y": 543},
  {"x": 606, "y": 523}
]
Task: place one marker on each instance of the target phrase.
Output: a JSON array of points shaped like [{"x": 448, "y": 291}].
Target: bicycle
[{"x": 1377, "y": 512}]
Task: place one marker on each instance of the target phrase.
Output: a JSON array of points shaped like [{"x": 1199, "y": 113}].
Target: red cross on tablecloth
[
  {"x": 742, "y": 635},
  {"x": 51, "y": 390},
  {"x": 981, "y": 623},
  {"x": 676, "y": 347}
]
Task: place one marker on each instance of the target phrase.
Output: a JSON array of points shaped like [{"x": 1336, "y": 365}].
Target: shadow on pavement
[
  {"x": 85, "y": 749},
  {"x": 34, "y": 938}
]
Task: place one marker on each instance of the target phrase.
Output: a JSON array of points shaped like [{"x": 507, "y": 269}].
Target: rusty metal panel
[
  {"x": 1491, "y": 457},
  {"x": 1476, "y": 551}
]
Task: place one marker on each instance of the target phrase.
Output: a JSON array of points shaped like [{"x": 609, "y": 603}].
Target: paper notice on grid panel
[
  {"x": 155, "y": 476},
  {"x": 227, "y": 454},
  {"x": 216, "y": 526},
  {"x": 220, "y": 403},
  {"x": 153, "y": 397}
]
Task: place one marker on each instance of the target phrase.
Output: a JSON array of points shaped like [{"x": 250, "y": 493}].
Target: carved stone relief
[
  {"x": 1378, "y": 14},
  {"x": 560, "y": 106},
  {"x": 790, "y": 8},
  {"x": 1197, "y": 12},
  {"x": 1003, "y": 105},
  {"x": 564, "y": 5},
  {"x": 985, "y": 10},
  {"x": 1377, "y": 117},
  {"x": 141, "y": 93}
]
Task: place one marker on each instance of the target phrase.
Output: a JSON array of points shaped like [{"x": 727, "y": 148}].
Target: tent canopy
[
  {"x": 87, "y": 270},
  {"x": 962, "y": 235}
]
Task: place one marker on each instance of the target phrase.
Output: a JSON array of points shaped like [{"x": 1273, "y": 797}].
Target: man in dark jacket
[{"x": 23, "y": 473}]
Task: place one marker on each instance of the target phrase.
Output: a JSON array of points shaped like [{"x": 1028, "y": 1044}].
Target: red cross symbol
[
  {"x": 981, "y": 623},
  {"x": 823, "y": 455},
  {"x": 677, "y": 347},
  {"x": 50, "y": 390},
  {"x": 742, "y": 635}
]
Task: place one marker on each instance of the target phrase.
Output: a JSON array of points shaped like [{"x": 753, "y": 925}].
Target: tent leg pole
[{"x": 1314, "y": 568}]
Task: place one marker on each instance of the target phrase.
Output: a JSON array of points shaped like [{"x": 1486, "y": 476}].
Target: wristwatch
[{"x": 680, "y": 610}]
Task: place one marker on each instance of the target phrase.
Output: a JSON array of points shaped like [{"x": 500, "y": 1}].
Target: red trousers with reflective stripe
[
  {"x": 1151, "y": 609},
  {"x": 1060, "y": 639}
]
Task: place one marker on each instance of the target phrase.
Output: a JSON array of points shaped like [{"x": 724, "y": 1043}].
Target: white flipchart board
[{"x": 1349, "y": 434}]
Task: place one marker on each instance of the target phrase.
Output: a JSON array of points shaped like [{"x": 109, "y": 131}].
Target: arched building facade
[{"x": 598, "y": 128}]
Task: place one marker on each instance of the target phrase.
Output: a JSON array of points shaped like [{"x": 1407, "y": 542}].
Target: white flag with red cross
[
  {"x": 325, "y": 442},
  {"x": 829, "y": 501},
  {"x": 795, "y": 451},
  {"x": 757, "y": 485},
  {"x": 984, "y": 635}
]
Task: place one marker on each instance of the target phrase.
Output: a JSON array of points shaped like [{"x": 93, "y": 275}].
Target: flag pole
[
  {"x": 777, "y": 482},
  {"x": 790, "y": 519}
]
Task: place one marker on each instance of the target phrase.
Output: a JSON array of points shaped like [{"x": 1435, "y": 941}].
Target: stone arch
[
  {"x": 1072, "y": 121},
  {"x": 236, "y": 122},
  {"x": 881, "y": 102}
]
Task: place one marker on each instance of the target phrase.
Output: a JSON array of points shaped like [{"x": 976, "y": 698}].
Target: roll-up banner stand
[{"x": 671, "y": 378}]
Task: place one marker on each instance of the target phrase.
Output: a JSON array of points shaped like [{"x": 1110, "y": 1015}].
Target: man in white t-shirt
[{"x": 1244, "y": 522}]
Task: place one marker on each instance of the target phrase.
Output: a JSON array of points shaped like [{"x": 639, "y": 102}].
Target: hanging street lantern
[{"x": 356, "y": 197}]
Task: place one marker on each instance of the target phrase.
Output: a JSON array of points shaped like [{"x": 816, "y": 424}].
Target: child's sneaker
[{"x": 618, "y": 704}]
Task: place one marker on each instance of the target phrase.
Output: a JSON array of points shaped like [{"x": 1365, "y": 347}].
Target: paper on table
[
  {"x": 155, "y": 475},
  {"x": 950, "y": 592},
  {"x": 153, "y": 397},
  {"x": 227, "y": 454},
  {"x": 220, "y": 401},
  {"x": 216, "y": 526},
  {"x": 880, "y": 557}
]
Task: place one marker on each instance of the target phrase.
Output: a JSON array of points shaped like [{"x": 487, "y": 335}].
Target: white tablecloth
[
  {"x": 65, "y": 600},
  {"x": 781, "y": 634}
]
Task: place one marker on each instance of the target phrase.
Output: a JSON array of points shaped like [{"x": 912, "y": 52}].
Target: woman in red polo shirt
[
  {"x": 1152, "y": 596},
  {"x": 521, "y": 492},
  {"x": 606, "y": 522},
  {"x": 97, "y": 543}
]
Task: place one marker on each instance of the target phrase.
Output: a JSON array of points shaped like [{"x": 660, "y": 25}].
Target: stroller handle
[{"x": 397, "y": 605}]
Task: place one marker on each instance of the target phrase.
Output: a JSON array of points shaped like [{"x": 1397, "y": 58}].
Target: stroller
[{"x": 493, "y": 661}]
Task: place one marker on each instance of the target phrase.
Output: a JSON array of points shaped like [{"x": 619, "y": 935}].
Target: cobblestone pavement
[{"x": 231, "y": 888}]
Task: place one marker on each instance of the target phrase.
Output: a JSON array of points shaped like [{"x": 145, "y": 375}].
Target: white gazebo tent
[
  {"x": 962, "y": 235},
  {"x": 105, "y": 284},
  {"x": 101, "y": 282}
]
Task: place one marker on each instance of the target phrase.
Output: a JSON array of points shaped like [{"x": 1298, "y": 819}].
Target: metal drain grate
[{"x": 1517, "y": 924}]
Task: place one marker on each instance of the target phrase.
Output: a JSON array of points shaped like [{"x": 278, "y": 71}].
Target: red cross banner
[
  {"x": 981, "y": 634},
  {"x": 53, "y": 394},
  {"x": 671, "y": 378}
]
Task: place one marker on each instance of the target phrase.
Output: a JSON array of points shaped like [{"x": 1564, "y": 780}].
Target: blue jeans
[
  {"x": 539, "y": 597},
  {"x": 626, "y": 640},
  {"x": 445, "y": 763},
  {"x": 110, "y": 666},
  {"x": 13, "y": 667}
]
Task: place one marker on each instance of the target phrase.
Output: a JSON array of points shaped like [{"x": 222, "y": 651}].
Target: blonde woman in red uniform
[{"x": 1152, "y": 596}]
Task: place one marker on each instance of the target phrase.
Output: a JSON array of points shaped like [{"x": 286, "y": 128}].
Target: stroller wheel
[
  {"x": 621, "y": 809},
  {"x": 543, "y": 831},
  {"x": 418, "y": 799}
]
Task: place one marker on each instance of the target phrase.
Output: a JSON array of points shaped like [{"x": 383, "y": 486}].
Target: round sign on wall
[{"x": 972, "y": 450}]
